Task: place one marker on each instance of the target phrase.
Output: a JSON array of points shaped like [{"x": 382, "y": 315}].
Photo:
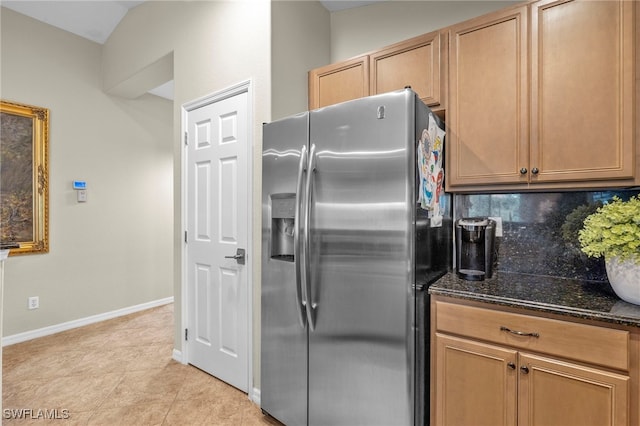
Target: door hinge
[
  {"x": 186, "y": 138},
  {"x": 185, "y": 237},
  {"x": 186, "y": 334}
]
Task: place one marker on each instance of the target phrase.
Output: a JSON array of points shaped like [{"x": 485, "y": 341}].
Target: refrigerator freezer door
[
  {"x": 284, "y": 334},
  {"x": 361, "y": 351}
]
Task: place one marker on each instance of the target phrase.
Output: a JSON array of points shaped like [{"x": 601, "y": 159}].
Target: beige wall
[
  {"x": 300, "y": 41},
  {"x": 115, "y": 251},
  {"x": 214, "y": 45},
  {"x": 360, "y": 30}
]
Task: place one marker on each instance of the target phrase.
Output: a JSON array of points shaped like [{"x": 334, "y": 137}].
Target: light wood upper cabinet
[
  {"x": 339, "y": 82},
  {"x": 576, "y": 62},
  {"x": 417, "y": 62},
  {"x": 487, "y": 117},
  {"x": 582, "y": 90},
  {"x": 538, "y": 96}
]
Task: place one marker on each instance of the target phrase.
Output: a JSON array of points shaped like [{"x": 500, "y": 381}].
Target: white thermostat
[
  {"x": 82, "y": 195},
  {"x": 81, "y": 190}
]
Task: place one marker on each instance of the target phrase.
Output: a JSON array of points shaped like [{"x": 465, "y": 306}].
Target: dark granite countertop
[{"x": 576, "y": 298}]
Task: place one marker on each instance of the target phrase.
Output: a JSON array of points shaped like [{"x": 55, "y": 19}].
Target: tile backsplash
[{"x": 540, "y": 230}]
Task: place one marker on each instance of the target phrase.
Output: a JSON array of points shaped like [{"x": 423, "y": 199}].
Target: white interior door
[{"x": 217, "y": 228}]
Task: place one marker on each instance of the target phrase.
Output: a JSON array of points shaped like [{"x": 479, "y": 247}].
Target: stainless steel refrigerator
[{"x": 353, "y": 232}]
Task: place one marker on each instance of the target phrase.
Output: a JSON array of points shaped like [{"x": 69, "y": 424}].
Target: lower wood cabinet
[
  {"x": 512, "y": 377},
  {"x": 551, "y": 391},
  {"x": 474, "y": 383},
  {"x": 482, "y": 384}
]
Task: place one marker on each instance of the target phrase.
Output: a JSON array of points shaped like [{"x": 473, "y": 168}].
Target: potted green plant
[{"x": 613, "y": 232}]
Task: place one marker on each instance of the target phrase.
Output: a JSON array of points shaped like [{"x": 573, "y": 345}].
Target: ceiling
[
  {"x": 96, "y": 20},
  {"x": 93, "y": 20}
]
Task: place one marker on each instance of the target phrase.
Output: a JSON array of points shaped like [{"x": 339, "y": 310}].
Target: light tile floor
[{"x": 117, "y": 372}]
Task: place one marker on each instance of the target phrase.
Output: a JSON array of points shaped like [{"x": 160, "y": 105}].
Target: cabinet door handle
[
  {"x": 511, "y": 366},
  {"x": 535, "y": 170},
  {"x": 523, "y": 171},
  {"x": 519, "y": 333},
  {"x": 524, "y": 369}
]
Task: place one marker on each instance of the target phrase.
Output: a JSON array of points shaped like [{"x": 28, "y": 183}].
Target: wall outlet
[
  {"x": 34, "y": 302},
  {"x": 498, "y": 225}
]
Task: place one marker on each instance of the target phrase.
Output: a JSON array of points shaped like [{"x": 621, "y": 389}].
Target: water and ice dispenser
[{"x": 282, "y": 226}]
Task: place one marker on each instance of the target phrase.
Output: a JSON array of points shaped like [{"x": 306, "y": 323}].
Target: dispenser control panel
[{"x": 283, "y": 207}]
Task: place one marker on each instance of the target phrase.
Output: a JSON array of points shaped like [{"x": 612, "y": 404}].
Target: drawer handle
[{"x": 518, "y": 333}]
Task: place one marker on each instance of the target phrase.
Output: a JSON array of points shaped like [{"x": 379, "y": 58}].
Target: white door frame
[{"x": 236, "y": 89}]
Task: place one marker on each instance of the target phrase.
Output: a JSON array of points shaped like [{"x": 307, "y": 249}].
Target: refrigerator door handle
[
  {"x": 311, "y": 306},
  {"x": 297, "y": 247}
]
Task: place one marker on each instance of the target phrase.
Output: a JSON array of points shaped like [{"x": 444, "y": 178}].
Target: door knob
[
  {"x": 239, "y": 256},
  {"x": 523, "y": 171},
  {"x": 524, "y": 369},
  {"x": 511, "y": 365}
]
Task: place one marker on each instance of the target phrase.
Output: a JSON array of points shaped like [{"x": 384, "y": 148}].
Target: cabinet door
[
  {"x": 582, "y": 90},
  {"x": 559, "y": 393},
  {"x": 416, "y": 62},
  {"x": 487, "y": 139},
  {"x": 339, "y": 82},
  {"x": 475, "y": 383}
]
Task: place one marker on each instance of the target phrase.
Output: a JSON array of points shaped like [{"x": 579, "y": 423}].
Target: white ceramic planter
[{"x": 624, "y": 277}]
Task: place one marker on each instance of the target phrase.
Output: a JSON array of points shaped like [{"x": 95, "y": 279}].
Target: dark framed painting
[{"x": 24, "y": 177}]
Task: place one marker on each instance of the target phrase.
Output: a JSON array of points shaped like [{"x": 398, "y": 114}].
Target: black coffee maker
[{"x": 475, "y": 238}]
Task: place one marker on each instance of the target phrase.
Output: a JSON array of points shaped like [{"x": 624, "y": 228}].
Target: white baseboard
[
  {"x": 52, "y": 329},
  {"x": 255, "y": 396},
  {"x": 177, "y": 356}
]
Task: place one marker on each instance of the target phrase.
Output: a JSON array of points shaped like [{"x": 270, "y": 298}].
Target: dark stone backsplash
[{"x": 540, "y": 230}]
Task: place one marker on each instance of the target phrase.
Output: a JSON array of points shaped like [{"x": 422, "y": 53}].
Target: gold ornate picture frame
[{"x": 24, "y": 177}]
